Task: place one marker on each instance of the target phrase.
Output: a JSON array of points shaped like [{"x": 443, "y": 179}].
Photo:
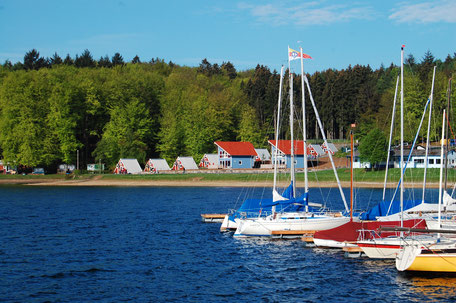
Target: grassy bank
[{"x": 360, "y": 175}]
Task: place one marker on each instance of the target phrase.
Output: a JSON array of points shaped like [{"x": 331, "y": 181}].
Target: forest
[{"x": 52, "y": 109}]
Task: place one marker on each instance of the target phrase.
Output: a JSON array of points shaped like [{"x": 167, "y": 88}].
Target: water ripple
[{"x": 148, "y": 245}]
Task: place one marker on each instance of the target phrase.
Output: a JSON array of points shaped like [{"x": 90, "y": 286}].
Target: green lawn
[{"x": 360, "y": 175}]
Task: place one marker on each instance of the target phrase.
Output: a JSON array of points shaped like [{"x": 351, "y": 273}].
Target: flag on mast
[{"x": 293, "y": 55}]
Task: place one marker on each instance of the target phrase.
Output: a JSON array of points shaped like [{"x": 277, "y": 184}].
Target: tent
[
  {"x": 331, "y": 147},
  {"x": 128, "y": 166},
  {"x": 263, "y": 155},
  {"x": 315, "y": 151},
  {"x": 210, "y": 161},
  {"x": 156, "y": 165},
  {"x": 184, "y": 163}
]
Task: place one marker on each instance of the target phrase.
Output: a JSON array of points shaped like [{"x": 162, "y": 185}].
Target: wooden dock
[
  {"x": 293, "y": 234},
  {"x": 352, "y": 249},
  {"x": 353, "y": 252},
  {"x": 212, "y": 218}
]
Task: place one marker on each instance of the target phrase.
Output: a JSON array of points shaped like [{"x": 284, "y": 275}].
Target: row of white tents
[{"x": 131, "y": 166}]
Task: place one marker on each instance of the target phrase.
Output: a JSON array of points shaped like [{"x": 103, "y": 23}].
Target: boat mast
[
  {"x": 351, "y": 175},
  {"x": 441, "y": 170},
  {"x": 402, "y": 136},
  {"x": 446, "y": 133},
  {"x": 390, "y": 138},
  {"x": 276, "y": 151},
  {"x": 431, "y": 97},
  {"x": 326, "y": 144},
  {"x": 292, "y": 166},
  {"x": 304, "y": 128}
]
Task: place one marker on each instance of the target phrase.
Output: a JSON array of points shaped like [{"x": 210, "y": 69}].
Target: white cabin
[
  {"x": 128, "y": 166},
  {"x": 156, "y": 165}
]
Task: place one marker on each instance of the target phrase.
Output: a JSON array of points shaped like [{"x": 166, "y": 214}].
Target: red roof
[
  {"x": 285, "y": 146},
  {"x": 237, "y": 148}
]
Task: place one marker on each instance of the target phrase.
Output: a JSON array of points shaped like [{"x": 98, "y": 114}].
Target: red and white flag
[{"x": 293, "y": 55}]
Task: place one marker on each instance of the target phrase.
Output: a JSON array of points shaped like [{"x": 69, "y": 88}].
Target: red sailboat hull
[{"x": 353, "y": 231}]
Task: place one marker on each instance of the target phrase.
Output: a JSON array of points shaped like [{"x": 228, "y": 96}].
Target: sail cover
[{"x": 381, "y": 209}]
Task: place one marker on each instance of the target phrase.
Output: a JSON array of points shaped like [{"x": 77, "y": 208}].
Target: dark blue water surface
[{"x": 146, "y": 244}]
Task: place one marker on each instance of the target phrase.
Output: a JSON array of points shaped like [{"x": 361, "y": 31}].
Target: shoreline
[{"x": 195, "y": 182}]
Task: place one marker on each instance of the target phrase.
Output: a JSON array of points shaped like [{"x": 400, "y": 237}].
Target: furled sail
[
  {"x": 447, "y": 199},
  {"x": 287, "y": 194}
]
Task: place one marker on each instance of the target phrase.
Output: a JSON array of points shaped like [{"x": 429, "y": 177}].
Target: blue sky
[{"x": 246, "y": 33}]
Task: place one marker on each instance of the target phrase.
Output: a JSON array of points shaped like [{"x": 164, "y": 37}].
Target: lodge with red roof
[
  {"x": 284, "y": 152},
  {"x": 236, "y": 154}
]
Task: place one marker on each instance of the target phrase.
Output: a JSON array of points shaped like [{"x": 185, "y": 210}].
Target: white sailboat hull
[
  {"x": 381, "y": 248},
  {"x": 267, "y": 225},
  {"x": 332, "y": 243},
  {"x": 389, "y": 248},
  {"x": 228, "y": 225}
]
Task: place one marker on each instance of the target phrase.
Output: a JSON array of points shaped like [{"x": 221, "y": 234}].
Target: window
[
  {"x": 437, "y": 161},
  {"x": 431, "y": 161},
  {"x": 240, "y": 162}
]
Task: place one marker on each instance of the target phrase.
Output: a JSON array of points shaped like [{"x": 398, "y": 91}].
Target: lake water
[{"x": 145, "y": 244}]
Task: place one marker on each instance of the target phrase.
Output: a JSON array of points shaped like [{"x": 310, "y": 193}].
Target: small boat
[
  {"x": 365, "y": 233},
  {"x": 253, "y": 208},
  {"x": 300, "y": 222},
  {"x": 390, "y": 247},
  {"x": 349, "y": 233},
  {"x": 439, "y": 256}
]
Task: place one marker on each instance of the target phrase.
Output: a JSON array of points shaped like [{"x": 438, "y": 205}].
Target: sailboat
[
  {"x": 386, "y": 248},
  {"x": 389, "y": 247},
  {"x": 390, "y": 211},
  {"x": 435, "y": 257},
  {"x": 252, "y": 208},
  {"x": 302, "y": 220},
  {"x": 438, "y": 256},
  {"x": 368, "y": 225},
  {"x": 349, "y": 233}
]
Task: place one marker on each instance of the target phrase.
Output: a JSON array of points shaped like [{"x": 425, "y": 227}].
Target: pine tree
[
  {"x": 104, "y": 62},
  {"x": 85, "y": 60},
  {"x": 32, "y": 60},
  {"x": 229, "y": 70},
  {"x": 117, "y": 60},
  {"x": 426, "y": 66},
  {"x": 8, "y": 65},
  {"x": 68, "y": 60},
  {"x": 410, "y": 61},
  {"x": 136, "y": 60}
]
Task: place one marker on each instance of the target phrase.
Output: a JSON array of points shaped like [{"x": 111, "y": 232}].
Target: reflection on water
[{"x": 431, "y": 286}]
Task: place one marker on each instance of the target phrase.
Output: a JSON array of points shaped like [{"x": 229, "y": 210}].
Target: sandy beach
[
  {"x": 98, "y": 180},
  {"x": 194, "y": 182}
]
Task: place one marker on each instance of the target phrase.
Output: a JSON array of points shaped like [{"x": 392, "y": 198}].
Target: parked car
[{"x": 38, "y": 171}]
